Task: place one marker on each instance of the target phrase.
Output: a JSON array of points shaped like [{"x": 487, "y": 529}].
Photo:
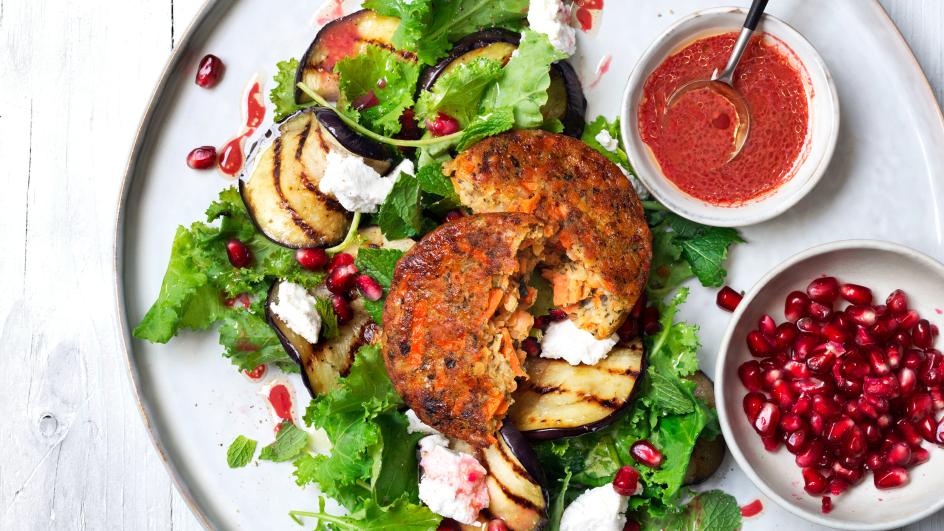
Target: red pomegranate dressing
[
  {"x": 280, "y": 398},
  {"x": 693, "y": 140},
  {"x": 586, "y": 12},
  {"x": 231, "y": 154},
  {"x": 752, "y": 509},
  {"x": 602, "y": 68}
]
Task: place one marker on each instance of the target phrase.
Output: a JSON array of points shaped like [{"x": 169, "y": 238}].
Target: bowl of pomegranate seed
[{"x": 830, "y": 385}]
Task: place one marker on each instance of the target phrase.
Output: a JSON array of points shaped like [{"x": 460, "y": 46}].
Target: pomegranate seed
[
  {"x": 802, "y": 406},
  {"x": 767, "y": 419},
  {"x": 453, "y": 215},
  {"x": 496, "y": 524},
  {"x": 931, "y": 369},
  {"x": 907, "y": 381},
  {"x": 871, "y": 432},
  {"x": 771, "y": 442},
  {"x": 311, "y": 259},
  {"x": 758, "y": 344},
  {"x": 781, "y": 392},
  {"x": 921, "y": 335},
  {"x": 908, "y": 320},
  {"x": 855, "y": 367},
  {"x": 797, "y": 370},
  {"x": 877, "y": 402},
  {"x": 804, "y": 344},
  {"x": 631, "y": 525},
  {"x": 650, "y": 321},
  {"x": 817, "y": 424},
  {"x": 814, "y": 482},
  {"x": 884, "y": 328},
  {"x": 342, "y": 308},
  {"x": 909, "y": 433},
  {"x": 557, "y": 315},
  {"x": 449, "y": 524},
  {"x": 531, "y": 347},
  {"x": 790, "y": 423},
  {"x": 825, "y": 406},
  {"x": 899, "y": 454},
  {"x": 209, "y": 71},
  {"x": 257, "y": 373},
  {"x": 443, "y": 125},
  {"x": 796, "y": 305},
  {"x": 919, "y": 455},
  {"x": 861, "y": 315},
  {"x": 628, "y": 331},
  {"x": 884, "y": 421},
  {"x": 808, "y": 325},
  {"x": 897, "y": 302},
  {"x": 771, "y": 377},
  {"x": 877, "y": 361},
  {"x": 626, "y": 481},
  {"x": 854, "y": 445},
  {"x": 796, "y": 441},
  {"x": 937, "y": 398},
  {"x": 864, "y": 338},
  {"x": 874, "y": 461},
  {"x": 767, "y": 326},
  {"x": 341, "y": 279},
  {"x": 939, "y": 433},
  {"x": 202, "y": 158},
  {"x": 833, "y": 332},
  {"x": 340, "y": 259},
  {"x": 890, "y": 478},
  {"x": 750, "y": 375},
  {"x": 918, "y": 406},
  {"x": 927, "y": 427},
  {"x": 645, "y": 453},
  {"x": 239, "y": 254},
  {"x": 365, "y": 101},
  {"x": 812, "y": 454},
  {"x": 856, "y": 294},
  {"x": 839, "y": 429},
  {"x": 368, "y": 287},
  {"x": 824, "y": 290},
  {"x": 836, "y": 487},
  {"x": 784, "y": 336},
  {"x": 893, "y": 356},
  {"x": 821, "y": 363},
  {"x": 884, "y": 386},
  {"x": 728, "y": 299},
  {"x": 820, "y": 312}
]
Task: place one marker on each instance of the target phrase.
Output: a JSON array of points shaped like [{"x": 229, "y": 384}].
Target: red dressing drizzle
[
  {"x": 231, "y": 154},
  {"x": 602, "y": 68},
  {"x": 329, "y": 11},
  {"x": 280, "y": 398},
  {"x": 752, "y": 509},
  {"x": 585, "y": 12}
]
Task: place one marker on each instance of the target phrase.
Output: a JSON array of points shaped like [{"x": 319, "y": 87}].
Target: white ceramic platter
[{"x": 885, "y": 182}]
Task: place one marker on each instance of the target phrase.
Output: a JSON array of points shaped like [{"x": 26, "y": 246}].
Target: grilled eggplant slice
[
  {"x": 515, "y": 481},
  {"x": 323, "y": 363},
  {"x": 281, "y": 191},
  {"x": 344, "y": 37},
  {"x": 708, "y": 453},
  {"x": 565, "y": 102},
  {"x": 562, "y": 400}
]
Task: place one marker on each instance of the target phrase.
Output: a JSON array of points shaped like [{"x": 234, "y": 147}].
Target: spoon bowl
[{"x": 742, "y": 114}]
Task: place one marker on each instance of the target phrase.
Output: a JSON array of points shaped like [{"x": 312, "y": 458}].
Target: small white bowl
[
  {"x": 883, "y": 267},
  {"x": 823, "y": 120}
]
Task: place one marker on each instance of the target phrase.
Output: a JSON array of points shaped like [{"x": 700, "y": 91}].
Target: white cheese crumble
[
  {"x": 552, "y": 18},
  {"x": 296, "y": 308},
  {"x": 607, "y": 141},
  {"x": 452, "y": 483},
  {"x": 357, "y": 186},
  {"x": 418, "y": 426},
  {"x": 640, "y": 188},
  {"x": 599, "y": 509},
  {"x": 564, "y": 340}
]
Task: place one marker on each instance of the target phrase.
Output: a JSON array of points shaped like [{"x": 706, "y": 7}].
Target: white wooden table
[{"x": 75, "y": 76}]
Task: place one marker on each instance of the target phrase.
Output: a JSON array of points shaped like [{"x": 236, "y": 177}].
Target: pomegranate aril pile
[{"x": 848, "y": 386}]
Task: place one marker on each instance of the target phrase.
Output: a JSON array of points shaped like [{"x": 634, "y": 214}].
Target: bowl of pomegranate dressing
[{"x": 682, "y": 148}]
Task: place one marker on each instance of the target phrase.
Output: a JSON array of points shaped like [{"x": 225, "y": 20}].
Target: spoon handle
[{"x": 750, "y": 24}]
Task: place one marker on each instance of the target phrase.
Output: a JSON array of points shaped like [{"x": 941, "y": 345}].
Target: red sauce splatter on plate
[
  {"x": 752, "y": 509},
  {"x": 692, "y": 142},
  {"x": 330, "y": 11},
  {"x": 602, "y": 68},
  {"x": 280, "y": 398},
  {"x": 231, "y": 154},
  {"x": 585, "y": 12}
]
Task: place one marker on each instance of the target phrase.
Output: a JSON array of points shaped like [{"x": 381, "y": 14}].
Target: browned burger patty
[
  {"x": 453, "y": 320},
  {"x": 596, "y": 218}
]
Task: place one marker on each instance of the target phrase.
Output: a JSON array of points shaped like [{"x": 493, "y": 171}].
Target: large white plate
[{"x": 885, "y": 182}]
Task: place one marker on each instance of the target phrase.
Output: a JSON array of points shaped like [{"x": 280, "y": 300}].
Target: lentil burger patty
[
  {"x": 599, "y": 253},
  {"x": 454, "y": 318}
]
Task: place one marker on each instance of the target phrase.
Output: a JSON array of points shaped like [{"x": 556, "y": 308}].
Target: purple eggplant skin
[
  {"x": 463, "y": 46},
  {"x": 575, "y": 119},
  {"x": 549, "y": 434},
  {"x": 286, "y": 344},
  {"x": 353, "y": 142},
  {"x": 525, "y": 455},
  {"x": 708, "y": 454}
]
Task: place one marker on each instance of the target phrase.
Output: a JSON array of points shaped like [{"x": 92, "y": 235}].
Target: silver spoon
[{"x": 723, "y": 82}]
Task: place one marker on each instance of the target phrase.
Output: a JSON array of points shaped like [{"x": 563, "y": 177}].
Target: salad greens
[
  {"x": 379, "y": 74},
  {"x": 240, "y": 452},
  {"x": 459, "y": 91}
]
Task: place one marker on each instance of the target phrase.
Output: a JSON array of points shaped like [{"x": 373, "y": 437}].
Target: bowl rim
[
  {"x": 720, "y": 378},
  {"x": 774, "y": 203}
]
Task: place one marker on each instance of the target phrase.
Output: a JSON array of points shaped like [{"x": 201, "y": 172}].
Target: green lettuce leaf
[
  {"x": 381, "y": 72},
  {"x": 249, "y": 341},
  {"x": 401, "y": 516},
  {"x": 682, "y": 249},
  {"x": 459, "y": 91},
  {"x": 378, "y": 264},
  {"x": 397, "y": 475},
  {"x": 282, "y": 94},
  {"x": 329, "y": 319}
]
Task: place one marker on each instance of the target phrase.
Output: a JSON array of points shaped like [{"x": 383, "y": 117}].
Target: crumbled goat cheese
[
  {"x": 296, "y": 307},
  {"x": 607, "y": 141},
  {"x": 357, "y": 186},
  {"x": 552, "y": 18},
  {"x": 452, "y": 483},
  {"x": 566, "y": 341},
  {"x": 418, "y": 426},
  {"x": 599, "y": 509}
]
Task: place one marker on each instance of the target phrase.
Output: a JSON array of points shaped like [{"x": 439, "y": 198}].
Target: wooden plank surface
[{"x": 76, "y": 76}]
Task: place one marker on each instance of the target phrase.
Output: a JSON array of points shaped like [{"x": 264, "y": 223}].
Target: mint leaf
[
  {"x": 380, "y": 74},
  {"x": 378, "y": 264},
  {"x": 250, "y": 341},
  {"x": 712, "y": 510},
  {"x": 329, "y": 319},
  {"x": 240, "y": 452},
  {"x": 397, "y": 475},
  {"x": 486, "y": 125},
  {"x": 704, "y": 248},
  {"x": 400, "y": 214},
  {"x": 666, "y": 396},
  {"x": 431, "y": 181},
  {"x": 282, "y": 94},
  {"x": 594, "y": 128},
  {"x": 459, "y": 91},
  {"x": 289, "y": 443}
]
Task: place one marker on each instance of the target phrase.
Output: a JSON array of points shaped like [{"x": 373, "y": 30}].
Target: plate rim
[{"x": 145, "y": 126}]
